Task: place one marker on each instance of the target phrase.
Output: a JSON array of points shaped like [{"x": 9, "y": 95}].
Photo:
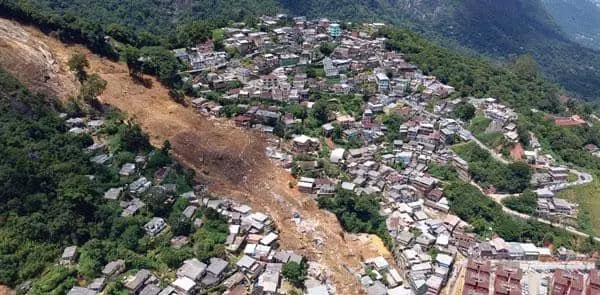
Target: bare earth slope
[
  {"x": 32, "y": 62},
  {"x": 230, "y": 160}
]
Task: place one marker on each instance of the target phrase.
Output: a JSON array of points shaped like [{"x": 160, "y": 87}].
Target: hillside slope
[
  {"x": 579, "y": 19},
  {"x": 238, "y": 169},
  {"x": 39, "y": 67},
  {"x": 157, "y": 16},
  {"x": 500, "y": 29}
]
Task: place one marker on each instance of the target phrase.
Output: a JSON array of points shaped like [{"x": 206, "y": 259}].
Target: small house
[
  {"x": 214, "y": 271},
  {"x": 150, "y": 289},
  {"x": 137, "y": 283},
  {"x": 184, "y": 286},
  {"x": 189, "y": 211},
  {"x": 127, "y": 169},
  {"x": 303, "y": 144},
  {"x": 155, "y": 226},
  {"x": 113, "y": 268},
  {"x": 81, "y": 291},
  {"x": 337, "y": 155},
  {"x": 193, "y": 269},
  {"x": 69, "y": 255},
  {"x": 113, "y": 193},
  {"x": 268, "y": 282},
  {"x": 97, "y": 284}
]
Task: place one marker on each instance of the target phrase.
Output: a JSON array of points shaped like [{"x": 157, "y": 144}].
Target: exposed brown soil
[
  {"x": 230, "y": 160},
  {"x": 4, "y": 290},
  {"x": 516, "y": 153},
  {"x": 39, "y": 69}
]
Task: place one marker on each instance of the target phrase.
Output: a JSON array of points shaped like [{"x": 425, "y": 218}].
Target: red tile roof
[
  {"x": 567, "y": 283},
  {"x": 477, "y": 280},
  {"x": 508, "y": 281},
  {"x": 593, "y": 287},
  {"x": 569, "y": 121}
]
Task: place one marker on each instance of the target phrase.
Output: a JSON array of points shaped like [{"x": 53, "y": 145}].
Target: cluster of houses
[
  {"x": 380, "y": 278},
  {"x": 503, "y": 119},
  {"x": 549, "y": 206},
  {"x": 109, "y": 272},
  {"x": 550, "y": 175},
  {"x": 553, "y": 208},
  {"x": 252, "y": 241},
  {"x": 254, "y": 265},
  {"x": 497, "y": 248},
  {"x": 425, "y": 251},
  {"x": 287, "y": 61},
  {"x": 481, "y": 278},
  {"x": 254, "y": 261},
  {"x": 427, "y": 239},
  {"x": 279, "y": 65},
  {"x": 80, "y": 125}
]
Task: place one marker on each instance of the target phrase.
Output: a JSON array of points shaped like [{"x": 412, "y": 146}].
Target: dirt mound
[
  {"x": 230, "y": 160},
  {"x": 224, "y": 160}
]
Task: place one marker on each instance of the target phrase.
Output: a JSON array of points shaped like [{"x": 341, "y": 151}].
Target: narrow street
[
  {"x": 498, "y": 198},
  {"x": 582, "y": 178},
  {"x": 494, "y": 154}
]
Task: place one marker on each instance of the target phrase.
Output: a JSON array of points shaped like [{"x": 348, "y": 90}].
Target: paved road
[
  {"x": 565, "y": 227},
  {"x": 491, "y": 151},
  {"x": 582, "y": 178},
  {"x": 498, "y": 198}
]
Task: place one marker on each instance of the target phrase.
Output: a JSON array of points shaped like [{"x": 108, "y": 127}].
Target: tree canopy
[
  {"x": 357, "y": 214},
  {"x": 510, "y": 178},
  {"x": 49, "y": 199},
  {"x": 486, "y": 217}
]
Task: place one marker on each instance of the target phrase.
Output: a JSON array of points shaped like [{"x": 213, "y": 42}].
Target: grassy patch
[
  {"x": 588, "y": 198},
  {"x": 333, "y": 80},
  {"x": 479, "y": 124},
  {"x": 443, "y": 172},
  {"x": 491, "y": 139},
  {"x": 572, "y": 177}
]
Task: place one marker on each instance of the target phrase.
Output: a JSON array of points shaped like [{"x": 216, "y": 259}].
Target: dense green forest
[
  {"x": 486, "y": 217},
  {"x": 51, "y": 196},
  {"x": 156, "y": 17},
  {"x": 579, "y": 19}
]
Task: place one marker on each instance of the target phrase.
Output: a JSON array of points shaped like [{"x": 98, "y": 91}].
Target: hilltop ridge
[{"x": 497, "y": 29}]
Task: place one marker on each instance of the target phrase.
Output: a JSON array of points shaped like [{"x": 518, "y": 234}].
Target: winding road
[
  {"x": 498, "y": 198},
  {"x": 582, "y": 178}
]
